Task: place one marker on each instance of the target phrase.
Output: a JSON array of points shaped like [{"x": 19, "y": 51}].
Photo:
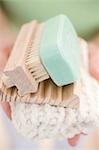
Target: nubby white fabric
[{"x": 45, "y": 121}]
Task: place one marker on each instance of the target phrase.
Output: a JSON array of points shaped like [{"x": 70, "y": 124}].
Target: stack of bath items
[
  {"x": 47, "y": 82},
  {"x": 43, "y": 50}
]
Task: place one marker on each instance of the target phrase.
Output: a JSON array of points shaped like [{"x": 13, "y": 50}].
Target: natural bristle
[{"x": 32, "y": 61}]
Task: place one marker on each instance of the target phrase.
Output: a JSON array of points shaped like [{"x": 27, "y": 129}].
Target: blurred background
[{"x": 84, "y": 14}]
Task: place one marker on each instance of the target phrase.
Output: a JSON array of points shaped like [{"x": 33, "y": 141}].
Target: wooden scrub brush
[{"x": 48, "y": 93}]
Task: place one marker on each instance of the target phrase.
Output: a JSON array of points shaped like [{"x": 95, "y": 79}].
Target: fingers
[
  {"x": 4, "y": 53},
  {"x": 3, "y": 60},
  {"x": 94, "y": 61},
  {"x": 6, "y": 108},
  {"x": 93, "y": 51},
  {"x": 73, "y": 141},
  {"x": 5, "y": 105},
  {"x": 5, "y": 48},
  {"x": 6, "y": 43}
]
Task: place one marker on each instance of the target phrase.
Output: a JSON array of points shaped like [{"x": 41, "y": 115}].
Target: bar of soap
[{"x": 59, "y": 50}]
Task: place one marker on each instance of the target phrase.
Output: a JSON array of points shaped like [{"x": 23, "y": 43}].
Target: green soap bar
[{"x": 59, "y": 50}]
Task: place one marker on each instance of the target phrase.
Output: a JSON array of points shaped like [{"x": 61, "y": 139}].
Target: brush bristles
[
  {"x": 48, "y": 93},
  {"x": 33, "y": 62}
]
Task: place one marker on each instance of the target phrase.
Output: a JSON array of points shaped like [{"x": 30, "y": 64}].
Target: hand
[
  {"x": 94, "y": 60},
  {"x": 7, "y": 39},
  {"x": 73, "y": 141},
  {"x": 5, "y": 48}
]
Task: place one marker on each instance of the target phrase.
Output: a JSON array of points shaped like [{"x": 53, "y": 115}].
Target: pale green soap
[{"x": 59, "y": 50}]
